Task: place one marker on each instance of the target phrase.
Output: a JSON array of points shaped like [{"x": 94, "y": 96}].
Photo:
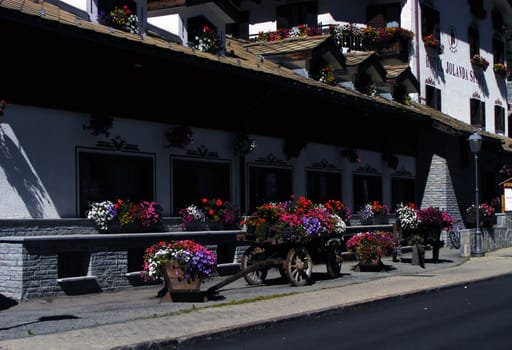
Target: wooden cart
[{"x": 293, "y": 259}]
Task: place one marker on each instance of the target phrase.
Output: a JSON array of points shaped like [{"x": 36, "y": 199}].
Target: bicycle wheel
[{"x": 454, "y": 239}]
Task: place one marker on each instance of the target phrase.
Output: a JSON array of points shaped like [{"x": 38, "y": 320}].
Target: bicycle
[{"x": 454, "y": 236}]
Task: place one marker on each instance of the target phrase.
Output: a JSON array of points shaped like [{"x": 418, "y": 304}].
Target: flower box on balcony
[
  {"x": 479, "y": 62},
  {"x": 500, "y": 68},
  {"x": 433, "y": 45}
]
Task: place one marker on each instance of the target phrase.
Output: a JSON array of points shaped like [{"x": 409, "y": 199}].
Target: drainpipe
[{"x": 417, "y": 25}]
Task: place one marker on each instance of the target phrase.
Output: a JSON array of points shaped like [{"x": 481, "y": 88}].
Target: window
[
  {"x": 430, "y": 22},
  {"x": 474, "y": 41},
  {"x": 322, "y": 186},
  {"x": 366, "y": 188},
  {"x": 433, "y": 97},
  {"x": 196, "y": 179},
  {"x": 382, "y": 16},
  {"x": 268, "y": 184},
  {"x": 498, "y": 23},
  {"x": 292, "y": 15},
  {"x": 113, "y": 176},
  {"x": 499, "y": 120},
  {"x": 476, "y": 7},
  {"x": 402, "y": 191},
  {"x": 498, "y": 50},
  {"x": 477, "y": 113}
]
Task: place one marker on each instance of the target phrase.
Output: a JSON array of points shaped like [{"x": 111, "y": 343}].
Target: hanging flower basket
[{"x": 179, "y": 136}]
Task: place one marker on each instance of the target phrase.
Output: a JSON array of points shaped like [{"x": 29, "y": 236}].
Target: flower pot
[
  {"x": 176, "y": 281},
  {"x": 369, "y": 265},
  {"x": 483, "y": 221}
]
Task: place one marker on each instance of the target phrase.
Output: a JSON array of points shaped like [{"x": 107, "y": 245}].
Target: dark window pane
[
  {"x": 380, "y": 15},
  {"x": 296, "y": 14},
  {"x": 268, "y": 185},
  {"x": 322, "y": 186},
  {"x": 433, "y": 97},
  {"x": 402, "y": 191},
  {"x": 498, "y": 50},
  {"x": 499, "y": 119},
  {"x": 474, "y": 41},
  {"x": 477, "y": 113},
  {"x": 193, "y": 180},
  {"x": 429, "y": 22},
  {"x": 113, "y": 176},
  {"x": 366, "y": 188}
]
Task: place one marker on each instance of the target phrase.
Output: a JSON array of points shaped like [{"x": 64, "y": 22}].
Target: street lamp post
[{"x": 475, "y": 142}]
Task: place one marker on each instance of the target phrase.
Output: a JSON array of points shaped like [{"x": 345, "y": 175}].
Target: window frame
[
  {"x": 252, "y": 198},
  {"x": 430, "y": 22},
  {"x": 473, "y": 41},
  {"x": 499, "y": 119},
  {"x": 95, "y": 153},
  {"x": 433, "y": 97},
  {"x": 357, "y": 203},
  {"x": 315, "y": 198},
  {"x": 477, "y": 113},
  {"x": 394, "y": 201},
  {"x": 174, "y": 200}
]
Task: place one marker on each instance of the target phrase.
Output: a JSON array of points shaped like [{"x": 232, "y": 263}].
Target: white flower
[
  {"x": 407, "y": 217},
  {"x": 196, "y": 213},
  {"x": 340, "y": 225},
  {"x": 102, "y": 213}
]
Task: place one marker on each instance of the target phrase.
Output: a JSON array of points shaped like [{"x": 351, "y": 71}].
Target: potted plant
[
  {"x": 370, "y": 246},
  {"x": 207, "y": 40},
  {"x": 294, "y": 220},
  {"x": 120, "y": 17},
  {"x": 125, "y": 216},
  {"x": 409, "y": 234},
  {"x": 500, "y": 68},
  {"x": 339, "y": 208},
  {"x": 374, "y": 213},
  {"x": 432, "y": 43},
  {"x": 486, "y": 215},
  {"x": 432, "y": 221},
  {"x": 479, "y": 62},
  {"x": 209, "y": 214},
  {"x": 183, "y": 264},
  {"x": 408, "y": 222},
  {"x": 327, "y": 75},
  {"x": 179, "y": 136}
]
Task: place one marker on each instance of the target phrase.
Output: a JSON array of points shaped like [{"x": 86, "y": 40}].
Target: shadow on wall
[{"x": 21, "y": 177}]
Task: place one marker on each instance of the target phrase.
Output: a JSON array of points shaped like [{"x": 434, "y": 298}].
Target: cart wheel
[
  {"x": 299, "y": 266},
  {"x": 258, "y": 276},
  {"x": 334, "y": 260}
]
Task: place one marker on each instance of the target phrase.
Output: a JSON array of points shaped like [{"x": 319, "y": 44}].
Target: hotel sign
[{"x": 450, "y": 68}]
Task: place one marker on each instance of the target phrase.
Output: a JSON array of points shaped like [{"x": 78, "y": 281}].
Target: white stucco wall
[
  {"x": 38, "y": 159},
  {"x": 80, "y": 4},
  {"x": 170, "y": 23},
  {"x": 452, "y": 71}
]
